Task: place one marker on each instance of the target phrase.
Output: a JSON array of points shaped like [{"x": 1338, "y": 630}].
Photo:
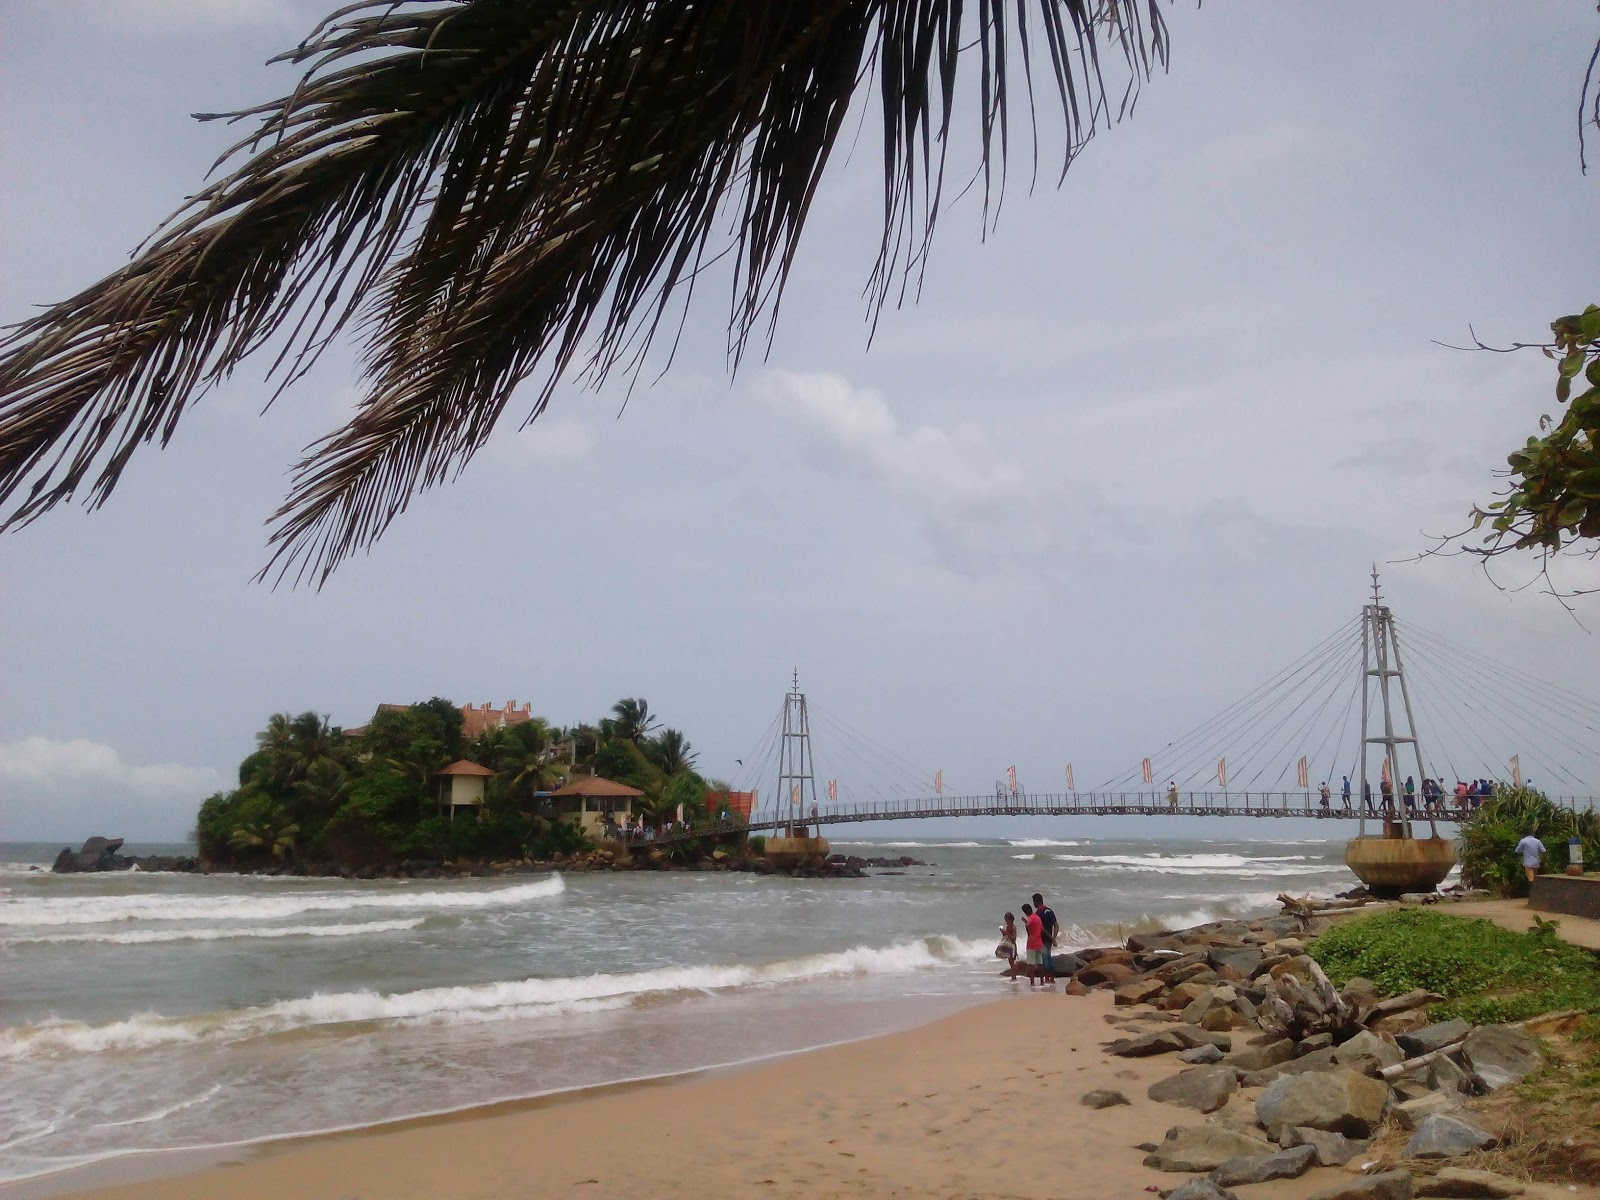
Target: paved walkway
[{"x": 1517, "y": 916}]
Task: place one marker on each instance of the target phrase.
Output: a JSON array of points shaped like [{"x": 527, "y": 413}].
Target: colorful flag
[
  {"x": 794, "y": 795},
  {"x": 1222, "y": 773},
  {"x": 1011, "y": 775},
  {"x": 833, "y": 791},
  {"x": 1387, "y": 778},
  {"x": 1304, "y": 774},
  {"x": 1148, "y": 778},
  {"x": 1516, "y": 770},
  {"x": 1071, "y": 787},
  {"x": 938, "y": 781}
]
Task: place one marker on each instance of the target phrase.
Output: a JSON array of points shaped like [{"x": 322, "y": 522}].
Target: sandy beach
[{"x": 984, "y": 1103}]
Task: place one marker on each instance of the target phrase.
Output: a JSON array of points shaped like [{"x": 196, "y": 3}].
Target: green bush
[
  {"x": 1489, "y": 856},
  {"x": 1485, "y": 973}
]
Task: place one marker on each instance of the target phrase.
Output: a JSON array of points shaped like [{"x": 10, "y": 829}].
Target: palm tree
[
  {"x": 481, "y": 187},
  {"x": 325, "y": 786},
  {"x": 277, "y": 839},
  {"x": 633, "y": 720},
  {"x": 669, "y": 750},
  {"x": 295, "y": 746},
  {"x": 519, "y": 758}
]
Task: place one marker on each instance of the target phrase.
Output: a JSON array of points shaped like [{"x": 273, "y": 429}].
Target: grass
[{"x": 1485, "y": 974}]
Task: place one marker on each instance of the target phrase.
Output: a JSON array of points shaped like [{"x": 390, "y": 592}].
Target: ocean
[{"x": 146, "y": 1012}]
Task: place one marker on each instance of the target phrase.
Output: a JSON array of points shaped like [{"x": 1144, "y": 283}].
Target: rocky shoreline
[
  {"x": 1289, "y": 1072},
  {"x": 103, "y": 854}
]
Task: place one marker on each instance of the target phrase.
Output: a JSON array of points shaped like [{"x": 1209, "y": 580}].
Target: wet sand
[{"x": 984, "y": 1103}]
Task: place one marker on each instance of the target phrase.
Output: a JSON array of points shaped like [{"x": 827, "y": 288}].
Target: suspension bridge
[{"x": 1395, "y": 723}]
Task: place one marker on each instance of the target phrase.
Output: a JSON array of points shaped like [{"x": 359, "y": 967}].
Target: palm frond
[{"x": 486, "y": 190}]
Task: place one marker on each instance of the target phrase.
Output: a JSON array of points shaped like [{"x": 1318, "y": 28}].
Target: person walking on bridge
[
  {"x": 1325, "y": 797},
  {"x": 1050, "y": 927},
  {"x": 1344, "y": 793},
  {"x": 1172, "y": 795}
]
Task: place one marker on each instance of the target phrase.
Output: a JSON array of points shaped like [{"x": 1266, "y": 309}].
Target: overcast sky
[{"x": 1127, "y": 457}]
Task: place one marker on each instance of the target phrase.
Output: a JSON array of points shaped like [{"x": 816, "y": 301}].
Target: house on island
[
  {"x": 460, "y": 785},
  {"x": 591, "y": 803},
  {"x": 475, "y": 719}
]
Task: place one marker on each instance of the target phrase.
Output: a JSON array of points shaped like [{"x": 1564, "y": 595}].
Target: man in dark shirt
[{"x": 1047, "y": 917}]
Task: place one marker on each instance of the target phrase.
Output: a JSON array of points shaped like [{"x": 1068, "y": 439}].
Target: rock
[
  {"x": 1199, "y": 1188},
  {"x": 1103, "y": 1098},
  {"x": 1317, "y": 1060},
  {"x": 1204, "y": 1088},
  {"x": 1333, "y": 1149},
  {"x": 1459, "y": 1181},
  {"x": 1432, "y": 1037},
  {"x": 1360, "y": 991},
  {"x": 1259, "y": 1168},
  {"x": 97, "y": 854},
  {"x": 1367, "y": 1044},
  {"x": 1220, "y": 1020},
  {"x": 1074, "y": 988},
  {"x": 1193, "y": 1036},
  {"x": 1411, "y": 1113},
  {"x": 1109, "y": 974},
  {"x": 1395, "y": 1024},
  {"x": 1391, "y": 1185},
  {"x": 1164, "y": 1041},
  {"x": 1309, "y": 1045},
  {"x": 1298, "y": 966},
  {"x": 1446, "y": 1075},
  {"x": 1497, "y": 1055},
  {"x": 1444, "y": 1136},
  {"x": 1139, "y": 991},
  {"x": 1258, "y": 1058},
  {"x": 1202, "y": 1148},
  {"x": 1108, "y": 954},
  {"x": 1338, "y": 1101},
  {"x": 1201, "y": 1056},
  {"x": 1244, "y": 960},
  {"x": 1067, "y": 964},
  {"x": 1181, "y": 995}
]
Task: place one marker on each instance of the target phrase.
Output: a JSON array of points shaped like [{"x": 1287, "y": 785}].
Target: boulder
[
  {"x": 1107, "y": 974},
  {"x": 1193, "y": 1036},
  {"x": 1164, "y": 1041},
  {"x": 1443, "y": 1136},
  {"x": 1259, "y": 1058},
  {"x": 1461, "y": 1182},
  {"x": 1221, "y": 1019},
  {"x": 1411, "y": 1113},
  {"x": 1201, "y": 1056},
  {"x": 1367, "y": 1044},
  {"x": 1360, "y": 991},
  {"x": 1446, "y": 1075},
  {"x": 1497, "y": 1055},
  {"x": 1139, "y": 991},
  {"x": 1317, "y": 1041},
  {"x": 1338, "y": 1101},
  {"x": 1202, "y": 1148},
  {"x": 1333, "y": 1149},
  {"x": 1204, "y": 1088},
  {"x": 1067, "y": 964},
  {"x": 1243, "y": 960},
  {"x": 1259, "y": 1168},
  {"x": 97, "y": 854},
  {"x": 1183, "y": 994},
  {"x": 1432, "y": 1037},
  {"x": 1200, "y": 1188},
  {"x": 1390, "y": 1185},
  {"x": 1103, "y": 1098}
]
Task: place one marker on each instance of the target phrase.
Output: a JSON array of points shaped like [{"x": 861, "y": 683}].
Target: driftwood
[
  {"x": 1422, "y": 1060},
  {"x": 1397, "y": 1004},
  {"x": 1304, "y": 906}
]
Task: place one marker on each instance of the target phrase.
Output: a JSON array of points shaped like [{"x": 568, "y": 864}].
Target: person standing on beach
[
  {"x": 1532, "y": 851},
  {"x": 1047, "y": 919},
  {"x": 1007, "y": 949},
  {"x": 1034, "y": 954}
]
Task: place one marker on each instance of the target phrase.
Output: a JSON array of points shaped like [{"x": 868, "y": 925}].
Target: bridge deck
[{"x": 1091, "y": 804}]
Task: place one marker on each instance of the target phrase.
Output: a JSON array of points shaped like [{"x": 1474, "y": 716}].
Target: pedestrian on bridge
[
  {"x": 1344, "y": 793},
  {"x": 1325, "y": 797},
  {"x": 1172, "y": 795}
]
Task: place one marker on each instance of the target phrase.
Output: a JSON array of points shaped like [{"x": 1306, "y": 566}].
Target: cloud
[
  {"x": 972, "y": 495},
  {"x": 50, "y": 788},
  {"x": 181, "y": 17},
  {"x": 547, "y": 440}
]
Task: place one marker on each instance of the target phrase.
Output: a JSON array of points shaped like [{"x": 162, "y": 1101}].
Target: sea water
[{"x": 145, "y": 1012}]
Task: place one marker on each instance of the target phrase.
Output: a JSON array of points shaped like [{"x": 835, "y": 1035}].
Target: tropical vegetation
[
  {"x": 1489, "y": 857},
  {"x": 311, "y": 793}
]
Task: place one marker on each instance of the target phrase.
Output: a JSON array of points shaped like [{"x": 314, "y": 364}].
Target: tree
[
  {"x": 670, "y": 752},
  {"x": 483, "y": 187},
  {"x": 295, "y": 746},
  {"x": 1552, "y": 502},
  {"x": 518, "y": 755},
  {"x": 633, "y": 720}
]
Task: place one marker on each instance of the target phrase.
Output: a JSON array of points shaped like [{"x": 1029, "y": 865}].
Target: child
[{"x": 1007, "y": 949}]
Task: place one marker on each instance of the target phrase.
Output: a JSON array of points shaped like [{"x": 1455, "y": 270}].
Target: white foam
[
  {"x": 1025, "y": 857},
  {"x": 1036, "y": 842},
  {"x": 100, "y": 910},
  {"x": 469, "y": 1004},
  {"x": 162, "y": 1113},
  {"x": 142, "y": 937},
  {"x": 1204, "y": 864}
]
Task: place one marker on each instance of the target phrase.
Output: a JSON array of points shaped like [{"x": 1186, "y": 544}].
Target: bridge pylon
[{"x": 795, "y": 798}]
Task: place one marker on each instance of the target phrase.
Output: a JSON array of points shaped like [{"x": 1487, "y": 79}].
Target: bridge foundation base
[
  {"x": 792, "y": 852},
  {"x": 1390, "y": 866}
]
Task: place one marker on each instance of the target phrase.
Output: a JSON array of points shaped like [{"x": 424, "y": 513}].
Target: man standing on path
[
  {"x": 1047, "y": 921},
  {"x": 1532, "y": 851},
  {"x": 1034, "y": 954}
]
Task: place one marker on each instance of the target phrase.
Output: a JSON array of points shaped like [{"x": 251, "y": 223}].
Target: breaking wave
[
  {"x": 100, "y": 910},
  {"x": 1203, "y": 864},
  {"x": 141, "y": 937},
  {"x": 473, "y": 1004},
  {"x": 1036, "y": 842}
]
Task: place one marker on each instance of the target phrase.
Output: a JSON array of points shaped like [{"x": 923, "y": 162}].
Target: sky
[{"x": 1128, "y": 456}]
